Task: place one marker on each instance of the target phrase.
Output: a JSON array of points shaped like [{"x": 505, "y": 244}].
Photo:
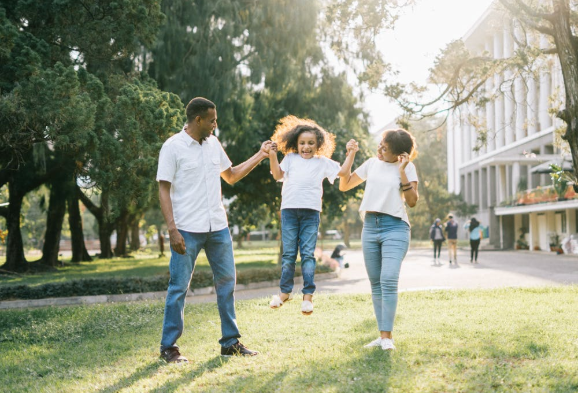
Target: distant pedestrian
[
  {"x": 451, "y": 230},
  {"x": 437, "y": 237},
  {"x": 475, "y": 234}
]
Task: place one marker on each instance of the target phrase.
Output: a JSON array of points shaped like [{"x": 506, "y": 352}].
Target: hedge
[{"x": 114, "y": 286}]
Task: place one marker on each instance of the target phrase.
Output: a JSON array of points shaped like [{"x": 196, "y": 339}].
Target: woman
[
  {"x": 475, "y": 234},
  {"x": 391, "y": 181},
  {"x": 437, "y": 237}
]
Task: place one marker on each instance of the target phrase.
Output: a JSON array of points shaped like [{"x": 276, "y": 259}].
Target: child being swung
[{"x": 307, "y": 148}]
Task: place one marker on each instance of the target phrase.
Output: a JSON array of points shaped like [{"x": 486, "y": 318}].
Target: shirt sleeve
[
  {"x": 411, "y": 172},
  {"x": 363, "y": 169},
  {"x": 331, "y": 169},
  {"x": 167, "y": 164},
  {"x": 224, "y": 161}
]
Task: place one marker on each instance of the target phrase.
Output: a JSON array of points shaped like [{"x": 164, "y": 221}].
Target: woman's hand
[
  {"x": 351, "y": 147},
  {"x": 403, "y": 160}
]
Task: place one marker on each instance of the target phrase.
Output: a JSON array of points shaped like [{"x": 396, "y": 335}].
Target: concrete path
[{"x": 420, "y": 272}]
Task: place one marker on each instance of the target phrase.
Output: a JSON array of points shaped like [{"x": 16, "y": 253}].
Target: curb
[{"x": 133, "y": 297}]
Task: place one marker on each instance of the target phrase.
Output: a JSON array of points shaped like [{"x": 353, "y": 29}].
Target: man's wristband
[
  {"x": 407, "y": 189},
  {"x": 404, "y": 185}
]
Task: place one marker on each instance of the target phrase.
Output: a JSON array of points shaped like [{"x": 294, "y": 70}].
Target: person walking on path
[
  {"x": 437, "y": 237},
  {"x": 391, "y": 182},
  {"x": 475, "y": 234},
  {"x": 307, "y": 148},
  {"x": 191, "y": 164},
  {"x": 451, "y": 230}
]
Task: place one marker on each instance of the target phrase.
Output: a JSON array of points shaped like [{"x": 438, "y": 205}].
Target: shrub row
[{"x": 115, "y": 286}]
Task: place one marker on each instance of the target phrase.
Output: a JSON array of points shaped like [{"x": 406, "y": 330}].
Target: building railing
[{"x": 540, "y": 195}]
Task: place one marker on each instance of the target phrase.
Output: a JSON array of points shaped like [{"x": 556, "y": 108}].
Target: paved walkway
[{"x": 420, "y": 272}]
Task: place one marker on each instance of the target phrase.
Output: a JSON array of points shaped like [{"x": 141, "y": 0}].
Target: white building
[{"x": 520, "y": 137}]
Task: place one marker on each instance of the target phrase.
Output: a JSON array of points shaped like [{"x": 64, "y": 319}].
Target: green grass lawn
[
  {"x": 505, "y": 340},
  {"x": 142, "y": 265}
]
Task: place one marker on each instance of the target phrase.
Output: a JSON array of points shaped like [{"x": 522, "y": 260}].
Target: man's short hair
[{"x": 198, "y": 106}]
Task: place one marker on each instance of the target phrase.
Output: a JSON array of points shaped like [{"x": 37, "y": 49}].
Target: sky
[{"x": 417, "y": 38}]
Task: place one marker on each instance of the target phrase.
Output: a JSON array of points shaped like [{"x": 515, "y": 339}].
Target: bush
[{"x": 115, "y": 286}]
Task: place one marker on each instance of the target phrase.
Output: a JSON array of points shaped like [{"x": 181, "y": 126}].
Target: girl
[
  {"x": 307, "y": 148},
  {"x": 475, "y": 234},
  {"x": 390, "y": 182}
]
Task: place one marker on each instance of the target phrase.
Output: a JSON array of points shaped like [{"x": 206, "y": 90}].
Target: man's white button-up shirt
[{"x": 194, "y": 171}]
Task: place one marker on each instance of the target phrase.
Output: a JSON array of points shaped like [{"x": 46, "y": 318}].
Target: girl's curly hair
[{"x": 289, "y": 129}]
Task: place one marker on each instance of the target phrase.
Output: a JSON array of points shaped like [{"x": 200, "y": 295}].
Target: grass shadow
[
  {"x": 144, "y": 372},
  {"x": 189, "y": 376}
]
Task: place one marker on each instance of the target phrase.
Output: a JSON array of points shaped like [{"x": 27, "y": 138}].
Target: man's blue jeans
[
  {"x": 385, "y": 241},
  {"x": 219, "y": 250},
  {"x": 299, "y": 227}
]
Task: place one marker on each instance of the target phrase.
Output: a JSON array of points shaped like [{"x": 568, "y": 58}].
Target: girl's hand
[
  {"x": 273, "y": 147},
  {"x": 403, "y": 159},
  {"x": 351, "y": 147}
]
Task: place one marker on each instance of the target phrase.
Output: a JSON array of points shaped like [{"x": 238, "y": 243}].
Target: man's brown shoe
[{"x": 172, "y": 355}]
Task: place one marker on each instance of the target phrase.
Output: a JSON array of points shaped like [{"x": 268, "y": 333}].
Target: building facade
[{"x": 506, "y": 177}]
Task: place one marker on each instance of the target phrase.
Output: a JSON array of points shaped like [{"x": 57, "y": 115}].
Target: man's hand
[
  {"x": 351, "y": 147},
  {"x": 177, "y": 242}
]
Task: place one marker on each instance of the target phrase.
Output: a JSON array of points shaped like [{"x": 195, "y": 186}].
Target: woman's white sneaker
[
  {"x": 375, "y": 343},
  {"x": 387, "y": 344}
]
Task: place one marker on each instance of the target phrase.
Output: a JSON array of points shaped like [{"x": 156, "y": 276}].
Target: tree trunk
[
  {"x": 135, "y": 238},
  {"x": 566, "y": 45},
  {"x": 79, "y": 251},
  {"x": 54, "y": 219},
  {"x": 122, "y": 231},
  {"x": 346, "y": 228},
  {"x": 105, "y": 240},
  {"x": 15, "y": 260},
  {"x": 161, "y": 242}
]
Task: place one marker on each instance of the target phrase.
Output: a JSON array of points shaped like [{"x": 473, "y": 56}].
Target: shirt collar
[{"x": 187, "y": 138}]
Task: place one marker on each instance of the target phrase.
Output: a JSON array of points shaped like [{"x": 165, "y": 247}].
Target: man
[
  {"x": 451, "y": 230},
  {"x": 190, "y": 166}
]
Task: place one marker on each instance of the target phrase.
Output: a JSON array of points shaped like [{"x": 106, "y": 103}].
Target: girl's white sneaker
[
  {"x": 307, "y": 307},
  {"x": 387, "y": 344},
  {"x": 375, "y": 343}
]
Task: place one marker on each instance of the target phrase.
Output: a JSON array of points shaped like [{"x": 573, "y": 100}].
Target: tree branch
[
  {"x": 94, "y": 209},
  {"x": 528, "y": 21}
]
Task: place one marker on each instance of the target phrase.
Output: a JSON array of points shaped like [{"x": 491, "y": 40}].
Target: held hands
[
  {"x": 266, "y": 148},
  {"x": 351, "y": 147}
]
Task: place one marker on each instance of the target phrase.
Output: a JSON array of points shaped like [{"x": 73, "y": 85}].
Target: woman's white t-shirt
[
  {"x": 302, "y": 181},
  {"x": 383, "y": 193}
]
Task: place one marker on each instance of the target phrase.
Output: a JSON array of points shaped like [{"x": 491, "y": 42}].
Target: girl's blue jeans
[
  {"x": 299, "y": 228},
  {"x": 385, "y": 241}
]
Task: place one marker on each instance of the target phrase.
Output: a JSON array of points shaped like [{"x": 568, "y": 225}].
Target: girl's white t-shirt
[
  {"x": 302, "y": 181},
  {"x": 383, "y": 193}
]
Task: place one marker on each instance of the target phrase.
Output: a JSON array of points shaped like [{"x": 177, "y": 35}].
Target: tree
[
  {"x": 463, "y": 75},
  {"x": 55, "y": 58}
]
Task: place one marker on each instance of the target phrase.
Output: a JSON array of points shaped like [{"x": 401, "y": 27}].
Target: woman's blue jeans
[
  {"x": 299, "y": 227},
  {"x": 219, "y": 250},
  {"x": 385, "y": 241}
]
